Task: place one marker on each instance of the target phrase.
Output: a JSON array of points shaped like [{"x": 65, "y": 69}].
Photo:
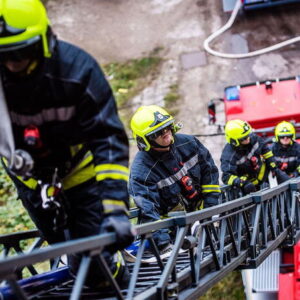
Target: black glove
[
  {"x": 161, "y": 238},
  {"x": 120, "y": 224},
  {"x": 238, "y": 182},
  {"x": 295, "y": 174},
  {"x": 248, "y": 187},
  {"x": 281, "y": 176}
]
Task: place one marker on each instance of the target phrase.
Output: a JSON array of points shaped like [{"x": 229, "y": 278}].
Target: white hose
[{"x": 229, "y": 23}]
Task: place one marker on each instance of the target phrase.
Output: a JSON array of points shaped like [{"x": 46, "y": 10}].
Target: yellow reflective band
[
  {"x": 114, "y": 176},
  {"x": 211, "y": 191},
  {"x": 210, "y": 188},
  {"x": 111, "y": 171},
  {"x": 231, "y": 179},
  {"x": 262, "y": 172},
  {"x": 30, "y": 183},
  {"x": 255, "y": 181},
  {"x": 111, "y": 167},
  {"x": 79, "y": 176},
  {"x": 244, "y": 178},
  {"x": 272, "y": 165},
  {"x": 118, "y": 264},
  {"x": 267, "y": 155},
  {"x": 298, "y": 169},
  {"x": 75, "y": 149},
  {"x": 210, "y": 185},
  {"x": 111, "y": 205},
  {"x": 201, "y": 206}
]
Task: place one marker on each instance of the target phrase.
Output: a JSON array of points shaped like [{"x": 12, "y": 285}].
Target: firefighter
[
  {"x": 64, "y": 115},
  {"x": 246, "y": 158},
  {"x": 170, "y": 169},
  {"x": 286, "y": 150}
]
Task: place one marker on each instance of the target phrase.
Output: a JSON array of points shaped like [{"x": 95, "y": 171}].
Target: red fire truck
[{"x": 263, "y": 103}]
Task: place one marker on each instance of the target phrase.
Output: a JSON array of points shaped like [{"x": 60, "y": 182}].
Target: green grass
[
  {"x": 13, "y": 215},
  {"x": 129, "y": 78},
  {"x": 229, "y": 288}
]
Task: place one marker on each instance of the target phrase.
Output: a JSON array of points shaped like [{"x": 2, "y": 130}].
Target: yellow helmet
[
  {"x": 285, "y": 129},
  {"x": 24, "y": 23},
  {"x": 147, "y": 121},
  {"x": 237, "y": 130}
]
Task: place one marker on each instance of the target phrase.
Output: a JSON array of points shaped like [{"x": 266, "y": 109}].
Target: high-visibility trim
[
  {"x": 177, "y": 176},
  {"x": 115, "y": 176},
  {"x": 201, "y": 206},
  {"x": 244, "y": 178},
  {"x": 262, "y": 172},
  {"x": 231, "y": 179},
  {"x": 267, "y": 155},
  {"x": 298, "y": 169},
  {"x": 210, "y": 188},
  {"x": 249, "y": 155},
  {"x": 255, "y": 182},
  {"x": 285, "y": 159},
  {"x": 111, "y": 167},
  {"x": 46, "y": 115},
  {"x": 75, "y": 149},
  {"x": 83, "y": 172},
  {"x": 118, "y": 264},
  {"x": 110, "y": 205},
  {"x": 273, "y": 165},
  {"x": 78, "y": 176},
  {"x": 112, "y": 171},
  {"x": 30, "y": 183}
]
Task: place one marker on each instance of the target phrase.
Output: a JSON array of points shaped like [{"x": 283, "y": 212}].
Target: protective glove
[
  {"x": 161, "y": 238},
  {"x": 248, "y": 187},
  {"x": 238, "y": 182},
  {"x": 281, "y": 176},
  {"x": 120, "y": 224},
  {"x": 294, "y": 174},
  {"x": 22, "y": 163}
]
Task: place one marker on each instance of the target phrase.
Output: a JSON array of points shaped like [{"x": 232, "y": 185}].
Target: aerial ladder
[{"x": 239, "y": 234}]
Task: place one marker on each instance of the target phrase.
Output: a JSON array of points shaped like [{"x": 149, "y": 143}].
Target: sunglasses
[
  {"x": 18, "y": 55},
  {"x": 155, "y": 135},
  {"x": 285, "y": 136},
  {"x": 244, "y": 138}
]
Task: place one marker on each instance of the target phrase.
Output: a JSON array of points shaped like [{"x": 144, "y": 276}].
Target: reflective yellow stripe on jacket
[
  {"x": 231, "y": 179},
  {"x": 110, "y": 205},
  {"x": 111, "y": 171},
  {"x": 83, "y": 172},
  {"x": 210, "y": 188},
  {"x": 267, "y": 155}
]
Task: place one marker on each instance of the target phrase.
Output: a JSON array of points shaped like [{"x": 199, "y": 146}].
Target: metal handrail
[{"x": 237, "y": 233}]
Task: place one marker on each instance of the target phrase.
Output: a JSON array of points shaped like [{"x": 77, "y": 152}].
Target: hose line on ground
[{"x": 229, "y": 23}]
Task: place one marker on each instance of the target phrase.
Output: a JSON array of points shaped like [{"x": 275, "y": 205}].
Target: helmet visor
[
  {"x": 22, "y": 51},
  {"x": 289, "y": 136},
  {"x": 162, "y": 131},
  {"x": 244, "y": 138}
]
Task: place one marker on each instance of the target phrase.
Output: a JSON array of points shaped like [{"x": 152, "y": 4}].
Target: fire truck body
[{"x": 264, "y": 104}]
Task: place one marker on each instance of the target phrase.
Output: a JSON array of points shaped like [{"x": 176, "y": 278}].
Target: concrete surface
[{"x": 117, "y": 30}]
